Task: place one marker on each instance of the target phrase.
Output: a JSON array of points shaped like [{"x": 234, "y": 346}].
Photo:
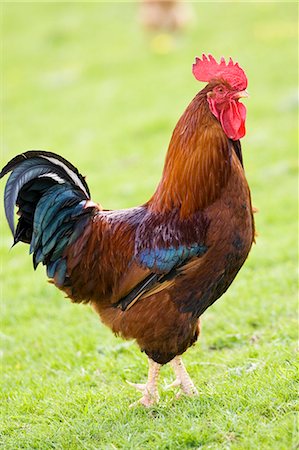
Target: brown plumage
[{"x": 151, "y": 271}]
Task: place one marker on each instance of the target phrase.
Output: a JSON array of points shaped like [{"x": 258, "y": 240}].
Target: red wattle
[{"x": 232, "y": 117}]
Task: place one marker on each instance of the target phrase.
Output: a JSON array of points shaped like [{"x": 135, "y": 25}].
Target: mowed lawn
[{"x": 85, "y": 80}]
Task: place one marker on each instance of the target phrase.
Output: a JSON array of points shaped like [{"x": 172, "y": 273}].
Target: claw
[
  {"x": 149, "y": 390},
  {"x": 145, "y": 400},
  {"x": 182, "y": 380},
  {"x": 177, "y": 382},
  {"x": 187, "y": 389},
  {"x": 190, "y": 390},
  {"x": 139, "y": 386}
]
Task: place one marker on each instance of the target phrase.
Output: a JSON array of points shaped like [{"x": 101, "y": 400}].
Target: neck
[{"x": 197, "y": 163}]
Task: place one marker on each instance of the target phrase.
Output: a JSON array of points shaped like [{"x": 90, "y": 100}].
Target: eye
[{"x": 220, "y": 90}]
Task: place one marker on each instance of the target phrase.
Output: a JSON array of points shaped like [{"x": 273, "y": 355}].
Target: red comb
[{"x": 207, "y": 69}]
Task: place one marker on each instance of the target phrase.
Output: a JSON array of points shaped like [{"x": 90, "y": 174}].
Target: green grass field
[{"x": 82, "y": 80}]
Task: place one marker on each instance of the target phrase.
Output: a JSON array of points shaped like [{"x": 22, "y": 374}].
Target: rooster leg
[
  {"x": 149, "y": 390},
  {"x": 182, "y": 380}
]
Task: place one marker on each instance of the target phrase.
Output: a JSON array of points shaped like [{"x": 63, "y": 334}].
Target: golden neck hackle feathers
[{"x": 197, "y": 164}]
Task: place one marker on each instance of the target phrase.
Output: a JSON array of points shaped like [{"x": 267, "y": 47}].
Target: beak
[{"x": 241, "y": 94}]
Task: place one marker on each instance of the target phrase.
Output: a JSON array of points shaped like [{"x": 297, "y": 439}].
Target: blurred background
[{"x": 103, "y": 84}]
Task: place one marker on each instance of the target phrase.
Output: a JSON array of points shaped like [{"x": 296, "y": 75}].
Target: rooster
[{"x": 149, "y": 271}]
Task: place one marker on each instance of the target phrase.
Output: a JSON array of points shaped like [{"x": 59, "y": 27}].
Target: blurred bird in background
[{"x": 164, "y": 20}]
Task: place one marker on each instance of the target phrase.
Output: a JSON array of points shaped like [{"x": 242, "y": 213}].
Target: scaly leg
[
  {"x": 182, "y": 380},
  {"x": 149, "y": 390}
]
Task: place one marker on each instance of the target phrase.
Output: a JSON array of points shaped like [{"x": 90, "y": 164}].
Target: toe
[
  {"x": 147, "y": 401},
  {"x": 189, "y": 390},
  {"x": 139, "y": 386},
  {"x": 177, "y": 382}
]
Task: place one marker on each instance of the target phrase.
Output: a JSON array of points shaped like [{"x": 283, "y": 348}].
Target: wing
[
  {"x": 121, "y": 255},
  {"x": 164, "y": 241},
  {"x": 164, "y": 259},
  {"x": 163, "y": 244}
]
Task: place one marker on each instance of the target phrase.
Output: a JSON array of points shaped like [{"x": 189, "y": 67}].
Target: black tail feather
[
  {"x": 51, "y": 196},
  {"x": 32, "y": 173}
]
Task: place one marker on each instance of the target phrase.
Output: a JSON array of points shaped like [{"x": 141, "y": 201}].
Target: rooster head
[{"x": 227, "y": 84}]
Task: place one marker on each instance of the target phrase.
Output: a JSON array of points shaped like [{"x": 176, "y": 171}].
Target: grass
[{"x": 81, "y": 80}]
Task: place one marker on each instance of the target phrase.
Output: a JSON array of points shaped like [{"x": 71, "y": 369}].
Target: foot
[
  {"x": 149, "y": 398},
  {"x": 183, "y": 380},
  {"x": 149, "y": 390}
]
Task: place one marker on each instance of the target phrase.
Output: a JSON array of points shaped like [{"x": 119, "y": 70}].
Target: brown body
[
  {"x": 203, "y": 177},
  {"x": 150, "y": 272}
]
